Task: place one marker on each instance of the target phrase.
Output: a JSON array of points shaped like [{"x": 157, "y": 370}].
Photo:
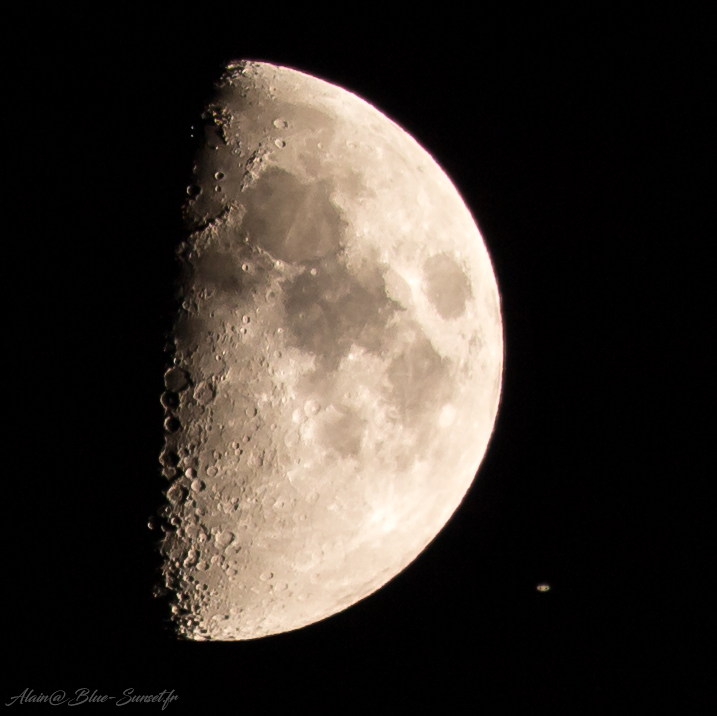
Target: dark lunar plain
[{"x": 580, "y": 145}]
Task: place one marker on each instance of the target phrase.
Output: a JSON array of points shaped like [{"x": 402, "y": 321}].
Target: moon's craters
[
  {"x": 321, "y": 410},
  {"x": 342, "y": 430},
  {"x": 175, "y": 379}
]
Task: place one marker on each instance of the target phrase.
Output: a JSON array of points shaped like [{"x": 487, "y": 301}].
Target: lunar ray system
[{"x": 336, "y": 359}]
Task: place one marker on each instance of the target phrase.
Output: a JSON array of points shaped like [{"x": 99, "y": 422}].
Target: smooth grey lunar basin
[{"x": 337, "y": 362}]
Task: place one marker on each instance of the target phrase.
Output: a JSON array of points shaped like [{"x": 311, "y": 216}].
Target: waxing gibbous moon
[{"x": 336, "y": 364}]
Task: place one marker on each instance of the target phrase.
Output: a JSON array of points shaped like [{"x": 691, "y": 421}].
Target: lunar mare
[{"x": 336, "y": 360}]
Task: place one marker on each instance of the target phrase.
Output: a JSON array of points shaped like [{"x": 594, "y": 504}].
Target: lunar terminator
[{"x": 337, "y": 358}]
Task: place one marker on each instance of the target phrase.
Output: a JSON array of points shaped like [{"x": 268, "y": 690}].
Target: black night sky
[{"x": 579, "y": 143}]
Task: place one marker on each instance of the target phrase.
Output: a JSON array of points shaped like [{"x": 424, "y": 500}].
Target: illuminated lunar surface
[{"x": 337, "y": 358}]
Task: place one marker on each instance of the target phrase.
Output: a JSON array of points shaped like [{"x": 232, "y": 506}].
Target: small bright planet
[{"x": 336, "y": 358}]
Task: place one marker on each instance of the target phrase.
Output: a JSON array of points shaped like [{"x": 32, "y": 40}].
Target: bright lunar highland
[{"x": 337, "y": 358}]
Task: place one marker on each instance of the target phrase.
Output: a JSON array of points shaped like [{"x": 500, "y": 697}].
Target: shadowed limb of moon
[{"x": 337, "y": 358}]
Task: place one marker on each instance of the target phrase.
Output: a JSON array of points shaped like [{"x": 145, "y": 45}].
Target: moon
[{"x": 336, "y": 360}]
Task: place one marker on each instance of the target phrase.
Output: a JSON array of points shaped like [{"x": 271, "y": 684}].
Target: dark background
[{"x": 580, "y": 144}]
